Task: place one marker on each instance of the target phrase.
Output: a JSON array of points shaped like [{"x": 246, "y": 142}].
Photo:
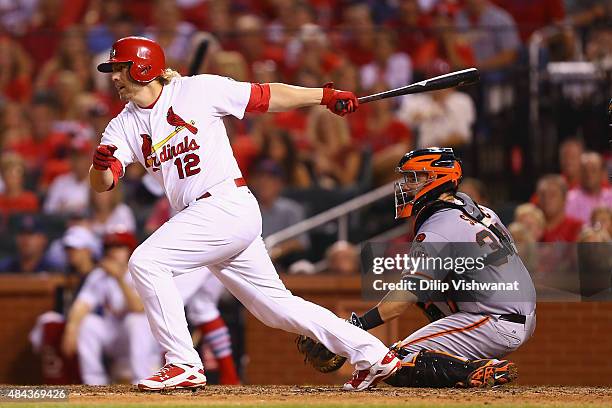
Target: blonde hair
[
  {"x": 11, "y": 160},
  {"x": 530, "y": 209},
  {"x": 168, "y": 75}
]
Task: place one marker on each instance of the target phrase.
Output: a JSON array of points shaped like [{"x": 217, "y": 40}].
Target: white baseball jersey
[
  {"x": 101, "y": 289},
  {"x": 181, "y": 141}
]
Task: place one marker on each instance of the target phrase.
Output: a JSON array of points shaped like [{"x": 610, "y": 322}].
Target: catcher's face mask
[
  {"x": 426, "y": 173},
  {"x": 408, "y": 188}
]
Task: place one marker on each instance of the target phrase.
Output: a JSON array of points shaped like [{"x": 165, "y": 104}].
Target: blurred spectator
[
  {"x": 68, "y": 89},
  {"x": 601, "y": 218},
  {"x": 533, "y": 14},
  {"x": 15, "y": 198},
  {"x": 595, "y": 235},
  {"x": 387, "y": 137},
  {"x": 160, "y": 213},
  {"x": 231, "y": 64},
  {"x": 291, "y": 15},
  {"x": 590, "y": 194},
  {"x": 390, "y": 67},
  {"x": 43, "y": 35},
  {"x": 109, "y": 213},
  {"x": 16, "y": 16},
  {"x": 172, "y": 34},
  {"x": 121, "y": 331},
  {"x": 99, "y": 18},
  {"x": 82, "y": 249},
  {"x": 72, "y": 55},
  {"x": 413, "y": 26},
  {"x": 268, "y": 180},
  {"x": 552, "y": 193},
  {"x": 441, "y": 118},
  {"x": 476, "y": 189},
  {"x": 42, "y": 147},
  {"x": 15, "y": 127},
  {"x": 491, "y": 32},
  {"x": 570, "y": 151},
  {"x": 15, "y": 71},
  {"x": 31, "y": 242},
  {"x": 525, "y": 244},
  {"x": 532, "y": 218},
  {"x": 359, "y": 31},
  {"x": 599, "y": 47},
  {"x": 443, "y": 42},
  {"x": 279, "y": 147},
  {"x": 310, "y": 52},
  {"x": 56, "y": 252},
  {"x": 69, "y": 193},
  {"x": 251, "y": 43},
  {"x": 334, "y": 160},
  {"x": 342, "y": 259}
]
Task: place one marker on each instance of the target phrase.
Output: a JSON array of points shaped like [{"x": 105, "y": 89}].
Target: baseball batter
[
  {"x": 173, "y": 126},
  {"x": 472, "y": 325}
]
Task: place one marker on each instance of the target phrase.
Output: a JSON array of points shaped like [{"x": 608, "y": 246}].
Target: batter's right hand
[
  {"x": 339, "y": 102},
  {"x": 103, "y": 157}
]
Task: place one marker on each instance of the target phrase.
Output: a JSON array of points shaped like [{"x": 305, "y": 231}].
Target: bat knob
[{"x": 341, "y": 106}]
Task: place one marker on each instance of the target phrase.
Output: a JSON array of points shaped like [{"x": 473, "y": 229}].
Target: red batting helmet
[{"x": 146, "y": 58}]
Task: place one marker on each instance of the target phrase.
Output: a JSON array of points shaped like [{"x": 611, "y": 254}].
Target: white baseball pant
[
  {"x": 128, "y": 339},
  {"x": 223, "y": 232}
]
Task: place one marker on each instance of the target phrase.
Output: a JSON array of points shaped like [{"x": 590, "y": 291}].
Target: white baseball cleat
[
  {"x": 368, "y": 378},
  {"x": 174, "y": 376}
]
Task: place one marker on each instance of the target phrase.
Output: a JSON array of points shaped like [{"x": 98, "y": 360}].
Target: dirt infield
[{"x": 299, "y": 396}]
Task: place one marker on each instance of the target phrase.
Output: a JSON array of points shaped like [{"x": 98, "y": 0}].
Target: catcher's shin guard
[{"x": 436, "y": 369}]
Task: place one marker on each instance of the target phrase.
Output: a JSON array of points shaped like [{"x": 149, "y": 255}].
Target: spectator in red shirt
[
  {"x": 359, "y": 27},
  {"x": 72, "y": 55},
  {"x": 43, "y": 35},
  {"x": 570, "y": 151},
  {"x": 15, "y": 71},
  {"x": 42, "y": 148},
  {"x": 251, "y": 43},
  {"x": 15, "y": 198},
  {"x": 310, "y": 51},
  {"x": 533, "y": 14},
  {"x": 412, "y": 25},
  {"x": 552, "y": 193}
]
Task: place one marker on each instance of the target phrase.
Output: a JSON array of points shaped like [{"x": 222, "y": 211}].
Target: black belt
[
  {"x": 240, "y": 182},
  {"x": 514, "y": 318}
]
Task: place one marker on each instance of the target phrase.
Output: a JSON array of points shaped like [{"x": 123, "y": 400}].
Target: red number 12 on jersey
[{"x": 190, "y": 164}]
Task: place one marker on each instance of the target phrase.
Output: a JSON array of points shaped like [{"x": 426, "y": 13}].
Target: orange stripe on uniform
[{"x": 450, "y": 331}]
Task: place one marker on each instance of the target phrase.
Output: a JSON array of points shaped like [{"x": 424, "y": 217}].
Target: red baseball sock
[{"x": 216, "y": 334}]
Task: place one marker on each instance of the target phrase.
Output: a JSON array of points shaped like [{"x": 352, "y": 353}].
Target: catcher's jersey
[
  {"x": 181, "y": 141},
  {"x": 449, "y": 233}
]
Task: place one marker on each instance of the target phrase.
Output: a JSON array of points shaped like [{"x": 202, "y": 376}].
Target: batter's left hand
[{"x": 339, "y": 102}]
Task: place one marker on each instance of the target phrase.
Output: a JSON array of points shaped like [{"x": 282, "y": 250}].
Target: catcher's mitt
[{"x": 318, "y": 355}]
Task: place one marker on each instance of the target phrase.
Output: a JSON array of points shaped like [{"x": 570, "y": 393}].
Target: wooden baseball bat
[{"x": 450, "y": 80}]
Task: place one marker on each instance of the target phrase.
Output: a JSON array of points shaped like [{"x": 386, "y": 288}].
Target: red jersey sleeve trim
[{"x": 260, "y": 98}]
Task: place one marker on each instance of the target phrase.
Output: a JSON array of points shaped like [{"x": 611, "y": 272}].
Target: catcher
[{"x": 472, "y": 326}]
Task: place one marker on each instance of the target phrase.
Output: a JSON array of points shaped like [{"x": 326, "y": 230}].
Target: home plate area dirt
[{"x": 299, "y": 396}]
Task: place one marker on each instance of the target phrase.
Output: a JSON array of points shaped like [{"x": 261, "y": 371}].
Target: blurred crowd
[{"x": 54, "y": 106}]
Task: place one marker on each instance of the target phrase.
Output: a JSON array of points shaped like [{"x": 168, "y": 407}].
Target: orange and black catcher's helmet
[
  {"x": 146, "y": 58},
  {"x": 427, "y": 173}
]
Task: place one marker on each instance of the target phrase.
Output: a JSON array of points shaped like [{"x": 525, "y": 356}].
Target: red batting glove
[
  {"x": 103, "y": 157},
  {"x": 339, "y": 102}
]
